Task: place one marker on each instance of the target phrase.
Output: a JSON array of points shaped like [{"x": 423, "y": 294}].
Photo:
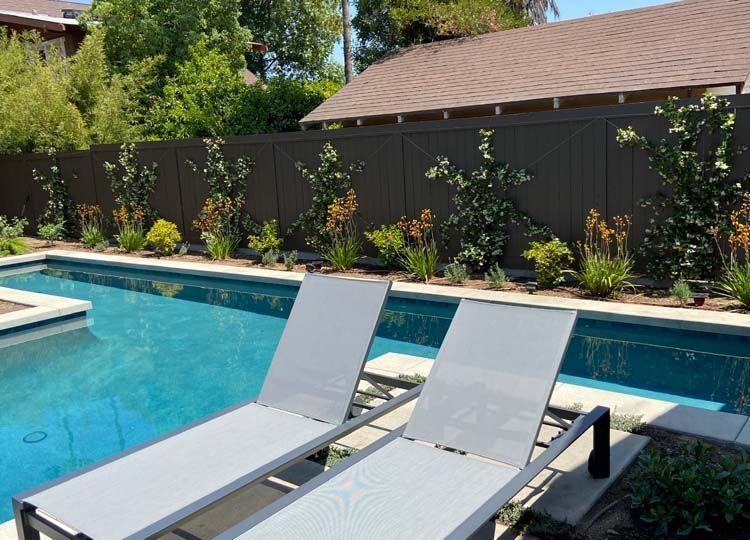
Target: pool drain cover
[{"x": 34, "y": 437}]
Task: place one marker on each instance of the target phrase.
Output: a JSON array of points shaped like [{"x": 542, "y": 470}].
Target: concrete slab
[{"x": 744, "y": 437}]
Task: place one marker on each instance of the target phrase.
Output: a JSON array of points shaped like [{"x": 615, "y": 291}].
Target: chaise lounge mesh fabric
[
  {"x": 307, "y": 393},
  {"x": 487, "y": 395}
]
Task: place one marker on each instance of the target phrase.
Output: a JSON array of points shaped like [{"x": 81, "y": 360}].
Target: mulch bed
[
  {"x": 7, "y": 307},
  {"x": 643, "y": 295}
]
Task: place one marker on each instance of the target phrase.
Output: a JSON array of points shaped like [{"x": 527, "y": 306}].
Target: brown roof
[
  {"x": 694, "y": 43},
  {"x": 53, "y": 8}
]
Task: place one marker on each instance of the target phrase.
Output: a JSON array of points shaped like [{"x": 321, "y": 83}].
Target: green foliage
[
  {"x": 695, "y": 166},
  {"x": 290, "y": 259},
  {"x": 390, "y": 243},
  {"x": 91, "y": 225},
  {"x": 300, "y": 35},
  {"x": 11, "y": 232},
  {"x": 164, "y": 236},
  {"x": 51, "y": 232},
  {"x": 202, "y": 99},
  {"x": 59, "y": 209},
  {"x": 269, "y": 257},
  {"x": 482, "y": 215},
  {"x": 550, "y": 259},
  {"x": 221, "y": 244},
  {"x": 132, "y": 184},
  {"x": 681, "y": 290},
  {"x": 383, "y": 26},
  {"x": 337, "y": 454},
  {"x": 92, "y": 237},
  {"x": 496, "y": 277},
  {"x": 343, "y": 252},
  {"x": 328, "y": 182},
  {"x": 26, "y": 81},
  {"x": 279, "y": 103},
  {"x": 131, "y": 237},
  {"x": 694, "y": 490},
  {"x": 267, "y": 240},
  {"x": 135, "y": 30},
  {"x": 533, "y": 523},
  {"x": 421, "y": 261},
  {"x": 414, "y": 377},
  {"x": 735, "y": 282},
  {"x": 603, "y": 275},
  {"x": 456, "y": 273}
]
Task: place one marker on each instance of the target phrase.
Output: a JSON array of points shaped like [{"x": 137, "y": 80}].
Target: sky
[{"x": 569, "y": 9}]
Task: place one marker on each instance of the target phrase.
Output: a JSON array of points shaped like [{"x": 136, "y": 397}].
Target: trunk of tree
[{"x": 347, "y": 28}]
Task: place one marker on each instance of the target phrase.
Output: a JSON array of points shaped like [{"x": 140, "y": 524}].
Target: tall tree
[
  {"x": 385, "y": 25},
  {"x": 346, "y": 22},
  {"x": 137, "y": 30},
  {"x": 300, "y": 35},
  {"x": 536, "y": 10}
]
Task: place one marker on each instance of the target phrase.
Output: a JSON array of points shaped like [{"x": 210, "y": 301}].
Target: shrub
[
  {"x": 456, "y": 273},
  {"x": 344, "y": 246},
  {"x": 692, "y": 491},
  {"x": 496, "y": 277},
  {"x": 223, "y": 220},
  {"x": 735, "y": 282},
  {"x": 550, "y": 259},
  {"x": 327, "y": 183},
  {"x": 91, "y": 225},
  {"x": 51, "y": 232},
  {"x": 606, "y": 266},
  {"x": 681, "y": 290},
  {"x": 270, "y": 257},
  {"x": 220, "y": 226},
  {"x": 482, "y": 214},
  {"x": 130, "y": 236},
  {"x": 164, "y": 236},
  {"x": 420, "y": 257},
  {"x": 290, "y": 259},
  {"x": 11, "y": 232},
  {"x": 132, "y": 184},
  {"x": 390, "y": 243},
  {"x": 701, "y": 191},
  {"x": 267, "y": 240},
  {"x": 59, "y": 209}
]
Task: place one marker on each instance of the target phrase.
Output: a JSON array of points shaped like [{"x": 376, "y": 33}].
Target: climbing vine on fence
[
  {"x": 60, "y": 208},
  {"x": 699, "y": 189},
  {"x": 133, "y": 184},
  {"x": 483, "y": 211},
  {"x": 328, "y": 182}
]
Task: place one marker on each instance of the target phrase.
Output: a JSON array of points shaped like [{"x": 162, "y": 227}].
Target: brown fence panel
[{"x": 572, "y": 155}]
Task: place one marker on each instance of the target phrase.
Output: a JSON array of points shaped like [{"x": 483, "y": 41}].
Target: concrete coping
[
  {"x": 42, "y": 308},
  {"x": 694, "y": 320}
]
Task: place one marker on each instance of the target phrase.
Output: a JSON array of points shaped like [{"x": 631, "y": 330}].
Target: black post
[{"x": 599, "y": 459}]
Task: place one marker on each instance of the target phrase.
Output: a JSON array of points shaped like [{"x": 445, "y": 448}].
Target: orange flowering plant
[
  {"x": 606, "y": 264},
  {"x": 130, "y": 235},
  {"x": 735, "y": 282},
  {"x": 344, "y": 246},
  {"x": 91, "y": 224},
  {"x": 420, "y": 256},
  {"x": 220, "y": 223}
]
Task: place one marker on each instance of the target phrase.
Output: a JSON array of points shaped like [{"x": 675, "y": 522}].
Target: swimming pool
[{"x": 166, "y": 349}]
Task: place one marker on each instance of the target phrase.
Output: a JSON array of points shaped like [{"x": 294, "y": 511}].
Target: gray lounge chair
[
  {"x": 303, "y": 406},
  {"x": 487, "y": 395}
]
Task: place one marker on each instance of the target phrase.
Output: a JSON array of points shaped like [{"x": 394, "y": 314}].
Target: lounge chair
[
  {"x": 487, "y": 396},
  {"x": 303, "y": 406}
]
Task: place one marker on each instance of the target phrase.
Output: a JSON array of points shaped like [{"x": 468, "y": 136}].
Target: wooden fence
[{"x": 573, "y": 156}]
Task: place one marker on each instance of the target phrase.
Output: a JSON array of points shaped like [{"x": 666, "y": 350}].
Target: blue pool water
[{"x": 164, "y": 350}]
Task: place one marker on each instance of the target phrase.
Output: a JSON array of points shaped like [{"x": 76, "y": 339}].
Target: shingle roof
[
  {"x": 53, "y": 8},
  {"x": 694, "y": 43}
]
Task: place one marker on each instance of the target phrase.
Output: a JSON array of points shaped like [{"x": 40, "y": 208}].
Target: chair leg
[
  {"x": 599, "y": 459},
  {"x": 25, "y": 532}
]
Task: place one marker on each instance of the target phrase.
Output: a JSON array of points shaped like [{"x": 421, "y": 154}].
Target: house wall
[{"x": 573, "y": 155}]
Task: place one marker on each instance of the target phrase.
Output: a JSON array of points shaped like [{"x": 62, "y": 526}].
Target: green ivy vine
[
  {"x": 700, "y": 191},
  {"x": 59, "y": 208},
  {"x": 328, "y": 182},
  {"x": 132, "y": 184},
  {"x": 482, "y": 212}
]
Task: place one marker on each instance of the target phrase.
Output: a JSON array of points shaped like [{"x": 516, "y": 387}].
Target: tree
[
  {"x": 300, "y": 35},
  {"x": 201, "y": 100},
  {"x": 136, "y": 30},
  {"x": 346, "y": 21},
  {"x": 536, "y": 10},
  {"x": 385, "y": 25}
]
